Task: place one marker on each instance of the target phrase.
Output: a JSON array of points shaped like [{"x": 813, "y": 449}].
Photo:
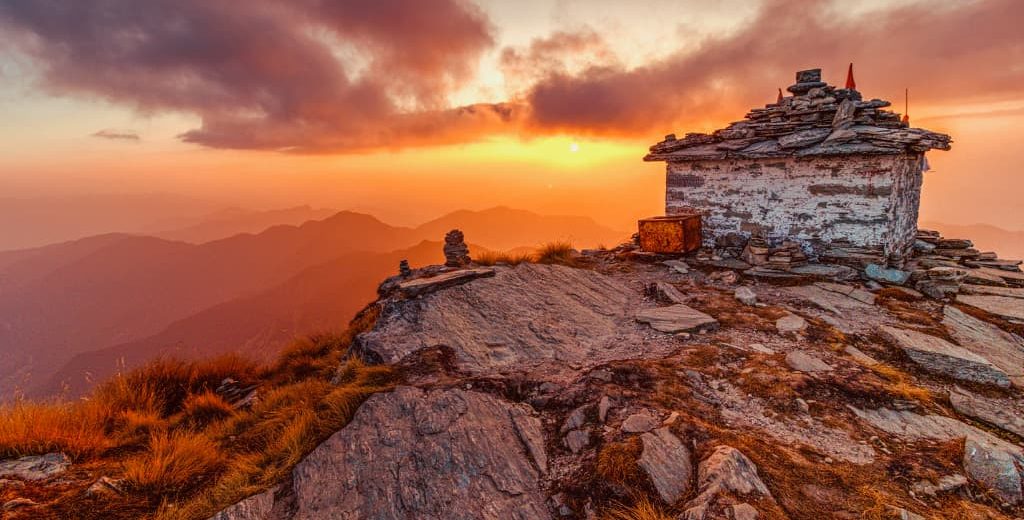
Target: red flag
[
  {"x": 850, "y": 83},
  {"x": 779, "y": 100}
]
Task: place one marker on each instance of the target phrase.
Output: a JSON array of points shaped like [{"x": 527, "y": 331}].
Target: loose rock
[
  {"x": 666, "y": 461},
  {"x": 35, "y": 467}
]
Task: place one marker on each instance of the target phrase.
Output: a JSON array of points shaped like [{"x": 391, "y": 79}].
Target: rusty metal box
[{"x": 670, "y": 234}]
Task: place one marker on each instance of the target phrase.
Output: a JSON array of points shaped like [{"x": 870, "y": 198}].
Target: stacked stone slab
[
  {"x": 456, "y": 253},
  {"x": 815, "y": 167}
]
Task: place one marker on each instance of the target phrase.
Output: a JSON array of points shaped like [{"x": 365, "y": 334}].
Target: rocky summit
[{"x": 623, "y": 382}]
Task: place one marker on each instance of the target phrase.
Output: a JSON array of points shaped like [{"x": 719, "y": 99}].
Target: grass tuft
[
  {"x": 205, "y": 408},
  {"x": 561, "y": 253},
  {"x": 502, "y": 257},
  {"x": 617, "y": 462},
  {"x": 76, "y": 429},
  {"x": 174, "y": 463},
  {"x": 643, "y": 509}
]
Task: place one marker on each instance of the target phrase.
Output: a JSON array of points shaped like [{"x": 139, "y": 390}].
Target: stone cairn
[
  {"x": 817, "y": 119},
  {"x": 403, "y": 269},
  {"x": 456, "y": 253}
]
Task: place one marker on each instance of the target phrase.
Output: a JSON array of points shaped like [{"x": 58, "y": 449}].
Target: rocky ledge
[{"x": 687, "y": 384}]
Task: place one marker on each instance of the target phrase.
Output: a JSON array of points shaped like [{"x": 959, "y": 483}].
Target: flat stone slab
[
  {"x": 550, "y": 321},
  {"x": 804, "y": 362},
  {"x": 676, "y": 318},
  {"x": 1002, "y": 349},
  {"x": 667, "y": 463},
  {"x": 420, "y": 286},
  {"x": 790, "y": 323},
  {"x": 1015, "y": 278},
  {"x": 1012, "y": 292},
  {"x": 939, "y": 356},
  {"x": 1005, "y": 414},
  {"x": 832, "y": 271},
  {"x": 35, "y": 467},
  {"x": 1002, "y": 306}
]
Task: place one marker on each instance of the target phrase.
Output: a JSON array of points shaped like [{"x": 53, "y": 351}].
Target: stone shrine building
[{"x": 820, "y": 167}]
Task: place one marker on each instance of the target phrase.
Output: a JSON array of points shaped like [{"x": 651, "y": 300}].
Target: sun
[{"x": 574, "y": 147}]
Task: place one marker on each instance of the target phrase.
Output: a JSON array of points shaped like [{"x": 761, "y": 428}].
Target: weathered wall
[{"x": 870, "y": 201}]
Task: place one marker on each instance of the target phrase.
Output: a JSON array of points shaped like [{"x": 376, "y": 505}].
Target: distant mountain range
[
  {"x": 71, "y": 312},
  {"x": 232, "y": 221}
]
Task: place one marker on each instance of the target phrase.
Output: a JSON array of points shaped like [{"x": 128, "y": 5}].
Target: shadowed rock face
[{"x": 422, "y": 454}]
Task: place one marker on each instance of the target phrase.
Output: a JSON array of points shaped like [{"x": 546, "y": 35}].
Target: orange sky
[{"x": 544, "y": 105}]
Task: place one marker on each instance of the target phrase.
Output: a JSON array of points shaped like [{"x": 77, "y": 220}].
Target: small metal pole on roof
[{"x": 906, "y": 106}]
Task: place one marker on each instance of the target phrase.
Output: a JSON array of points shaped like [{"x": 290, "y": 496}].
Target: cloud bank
[{"x": 315, "y": 76}]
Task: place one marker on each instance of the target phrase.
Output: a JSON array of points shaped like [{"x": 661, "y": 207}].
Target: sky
[{"x": 408, "y": 109}]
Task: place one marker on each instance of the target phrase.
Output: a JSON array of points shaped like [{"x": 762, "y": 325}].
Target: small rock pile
[
  {"x": 942, "y": 267},
  {"x": 456, "y": 252},
  {"x": 785, "y": 257},
  {"x": 819, "y": 119}
]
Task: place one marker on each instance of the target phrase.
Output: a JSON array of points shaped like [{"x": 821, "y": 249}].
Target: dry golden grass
[
  {"x": 174, "y": 463},
  {"x": 561, "y": 253},
  {"x": 77, "y": 429},
  {"x": 617, "y": 462},
  {"x": 135, "y": 427},
  {"x": 205, "y": 408},
  {"x": 185, "y": 452},
  {"x": 642, "y": 509},
  {"x": 899, "y": 383},
  {"x": 163, "y": 384},
  {"x": 502, "y": 257}
]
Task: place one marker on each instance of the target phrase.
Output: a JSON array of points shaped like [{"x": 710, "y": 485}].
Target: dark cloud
[
  {"x": 346, "y": 75},
  {"x": 265, "y": 74},
  {"x": 967, "y": 51},
  {"x": 116, "y": 135}
]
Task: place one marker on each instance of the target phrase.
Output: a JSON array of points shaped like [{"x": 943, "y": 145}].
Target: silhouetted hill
[
  {"x": 318, "y": 299},
  {"x": 233, "y": 221},
  {"x": 134, "y": 287},
  {"x": 505, "y": 228},
  {"x": 30, "y": 222}
]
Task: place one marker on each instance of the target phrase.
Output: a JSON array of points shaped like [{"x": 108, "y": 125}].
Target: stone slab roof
[{"x": 818, "y": 119}]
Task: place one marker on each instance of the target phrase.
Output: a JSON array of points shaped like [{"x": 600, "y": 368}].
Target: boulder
[
  {"x": 998, "y": 470},
  {"x": 727, "y": 471},
  {"x": 408, "y": 453},
  {"x": 35, "y": 467},
  {"x": 667, "y": 463},
  {"x": 939, "y": 356}
]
